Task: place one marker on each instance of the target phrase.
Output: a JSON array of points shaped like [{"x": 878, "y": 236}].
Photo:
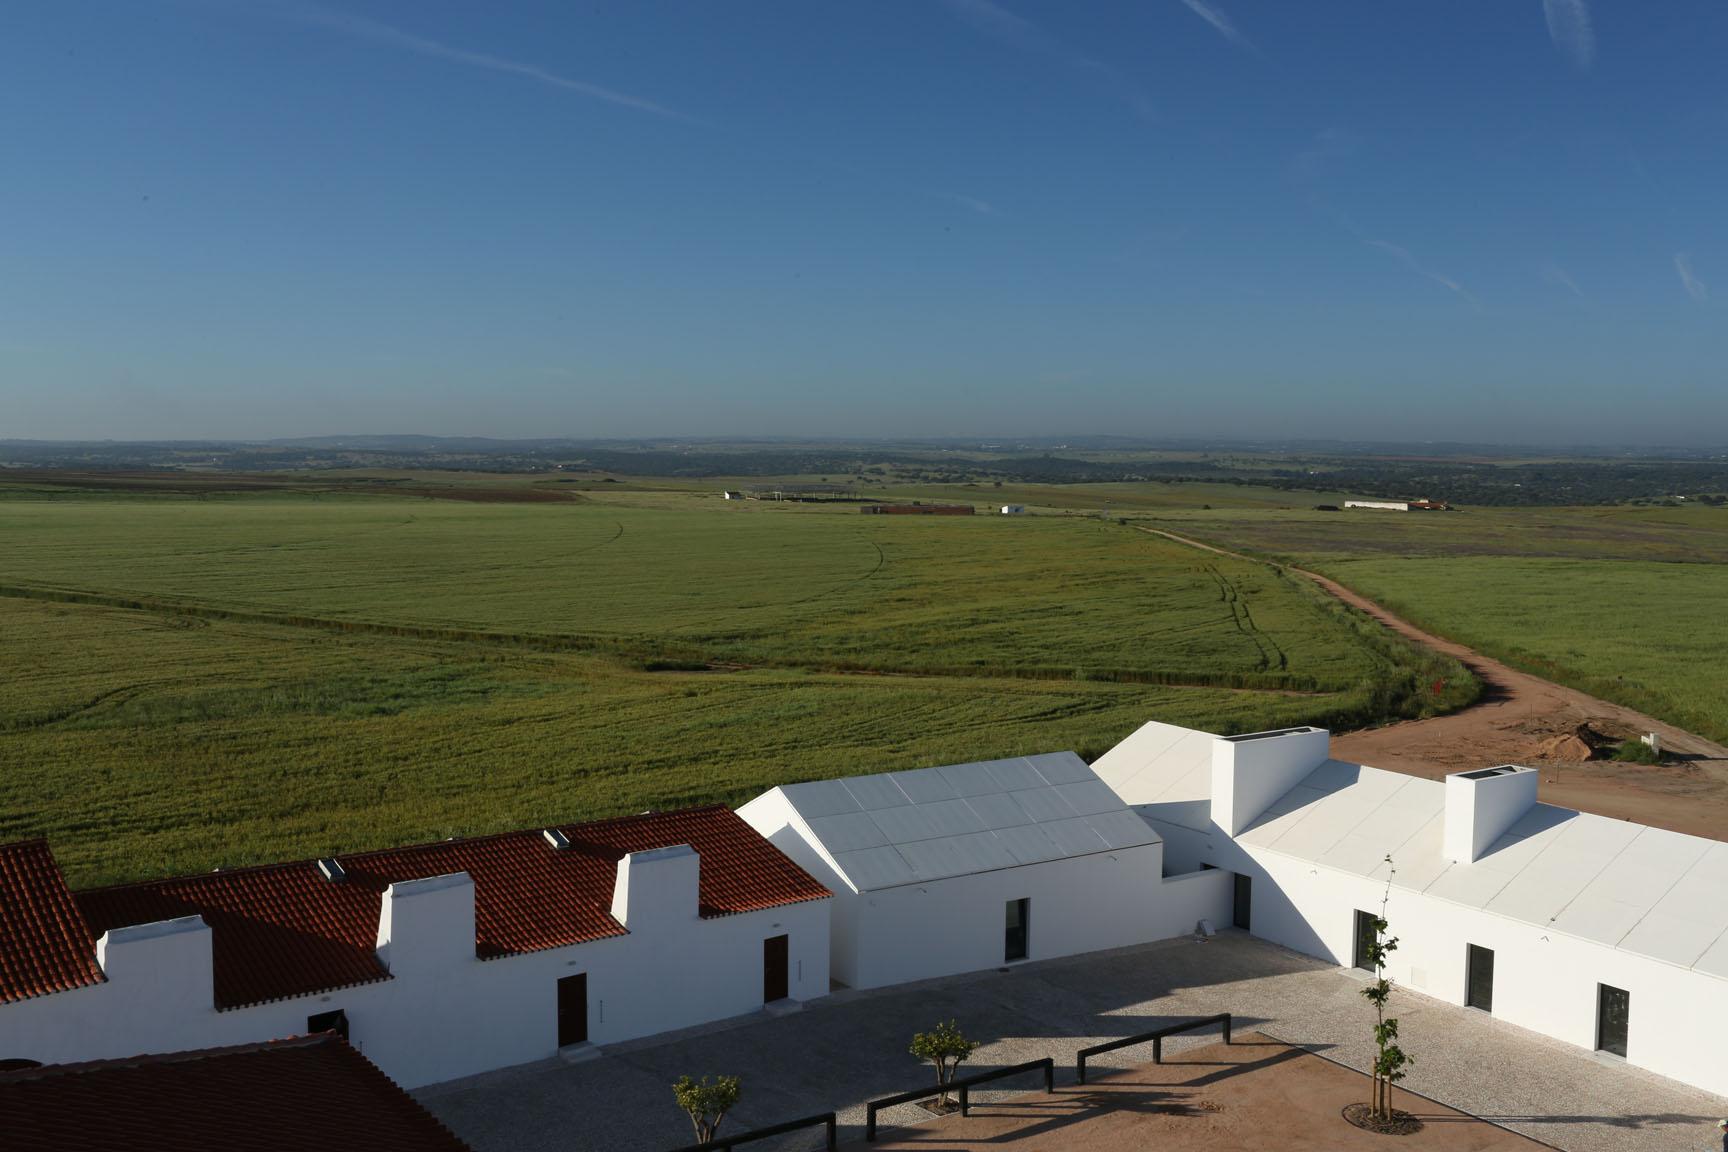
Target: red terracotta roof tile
[
  {"x": 44, "y": 944},
  {"x": 311, "y": 1092},
  {"x": 283, "y": 930}
]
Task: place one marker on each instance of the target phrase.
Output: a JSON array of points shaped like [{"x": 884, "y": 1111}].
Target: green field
[
  {"x": 201, "y": 682},
  {"x": 1624, "y": 603}
]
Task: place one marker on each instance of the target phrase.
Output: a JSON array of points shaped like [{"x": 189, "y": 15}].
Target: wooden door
[
  {"x": 573, "y": 1010},
  {"x": 776, "y": 963}
]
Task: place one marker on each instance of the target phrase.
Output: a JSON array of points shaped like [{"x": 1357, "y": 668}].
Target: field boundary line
[
  {"x": 680, "y": 659},
  {"x": 1503, "y": 683}
]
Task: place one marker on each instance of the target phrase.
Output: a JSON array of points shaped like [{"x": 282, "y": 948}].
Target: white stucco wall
[
  {"x": 1080, "y": 904},
  {"x": 445, "y": 1013},
  {"x": 1543, "y": 980},
  {"x": 945, "y": 927}
]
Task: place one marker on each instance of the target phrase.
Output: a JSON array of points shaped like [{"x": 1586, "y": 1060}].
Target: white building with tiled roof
[
  {"x": 1602, "y": 933},
  {"x": 972, "y": 866},
  {"x": 437, "y": 960}
]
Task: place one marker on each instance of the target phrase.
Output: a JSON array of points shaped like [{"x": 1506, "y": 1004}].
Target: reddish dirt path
[{"x": 1516, "y": 713}]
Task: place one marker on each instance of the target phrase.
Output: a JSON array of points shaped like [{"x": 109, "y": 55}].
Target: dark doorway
[
  {"x": 333, "y": 1021},
  {"x": 1363, "y": 954},
  {"x": 776, "y": 952},
  {"x": 1479, "y": 979},
  {"x": 573, "y": 1010},
  {"x": 1016, "y": 930},
  {"x": 1243, "y": 902},
  {"x": 1613, "y": 1011}
]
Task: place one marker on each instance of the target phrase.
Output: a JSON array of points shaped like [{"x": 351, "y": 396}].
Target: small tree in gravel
[
  {"x": 946, "y": 1047},
  {"x": 1390, "y": 1060},
  {"x": 707, "y": 1103}
]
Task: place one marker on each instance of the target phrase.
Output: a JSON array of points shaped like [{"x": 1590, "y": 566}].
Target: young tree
[
  {"x": 946, "y": 1047},
  {"x": 706, "y": 1103},
  {"x": 1390, "y": 1060}
]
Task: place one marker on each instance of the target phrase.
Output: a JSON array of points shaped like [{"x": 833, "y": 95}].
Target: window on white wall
[
  {"x": 1017, "y": 933},
  {"x": 1363, "y": 950},
  {"x": 1613, "y": 1018},
  {"x": 335, "y": 1020},
  {"x": 1479, "y": 979}
]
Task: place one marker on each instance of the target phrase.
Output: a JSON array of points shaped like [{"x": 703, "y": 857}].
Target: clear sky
[{"x": 1500, "y": 220}]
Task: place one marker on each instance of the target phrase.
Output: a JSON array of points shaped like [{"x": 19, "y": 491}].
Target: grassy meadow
[
  {"x": 199, "y": 682},
  {"x": 1625, "y": 603}
]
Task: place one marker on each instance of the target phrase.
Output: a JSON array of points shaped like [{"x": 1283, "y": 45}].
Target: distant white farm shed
[{"x": 971, "y": 866}]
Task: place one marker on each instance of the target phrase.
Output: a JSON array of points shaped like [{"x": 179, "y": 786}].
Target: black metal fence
[
  {"x": 963, "y": 1085},
  {"x": 1156, "y": 1038},
  {"x": 727, "y": 1143}
]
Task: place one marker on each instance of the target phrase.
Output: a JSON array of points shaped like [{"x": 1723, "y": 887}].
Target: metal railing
[
  {"x": 963, "y": 1086},
  {"x": 1156, "y": 1037},
  {"x": 727, "y": 1143}
]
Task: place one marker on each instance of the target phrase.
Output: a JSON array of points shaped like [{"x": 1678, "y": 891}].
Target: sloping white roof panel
[
  {"x": 875, "y": 868},
  {"x": 874, "y": 792},
  {"x": 820, "y": 798},
  {"x": 1643, "y": 890},
  {"x": 1044, "y": 805},
  {"x": 923, "y": 785},
  {"x": 906, "y": 827},
  {"x": 847, "y": 831},
  {"x": 969, "y": 779},
  {"x": 1089, "y": 797},
  {"x": 1061, "y": 767},
  {"x": 998, "y": 810}
]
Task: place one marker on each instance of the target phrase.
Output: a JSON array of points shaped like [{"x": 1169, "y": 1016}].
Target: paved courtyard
[
  {"x": 844, "y": 1050},
  {"x": 1254, "y": 1093}
]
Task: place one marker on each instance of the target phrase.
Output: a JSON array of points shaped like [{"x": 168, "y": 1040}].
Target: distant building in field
[
  {"x": 916, "y": 509},
  {"x": 275, "y": 1096},
  {"x": 1400, "y": 505},
  {"x": 440, "y": 960},
  {"x": 1013, "y": 509}
]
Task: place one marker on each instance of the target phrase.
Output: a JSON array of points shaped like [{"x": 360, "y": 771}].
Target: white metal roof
[
  {"x": 1643, "y": 890},
  {"x": 909, "y": 827}
]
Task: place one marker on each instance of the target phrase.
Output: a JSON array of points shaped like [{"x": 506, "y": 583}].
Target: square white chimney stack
[
  {"x": 660, "y": 888},
  {"x": 1480, "y": 807},
  {"x": 1250, "y": 772}
]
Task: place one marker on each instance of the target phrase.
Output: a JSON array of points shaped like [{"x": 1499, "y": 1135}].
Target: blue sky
[{"x": 1501, "y": 220}]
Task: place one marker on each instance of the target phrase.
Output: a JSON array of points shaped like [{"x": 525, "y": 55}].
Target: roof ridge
[
  {"x": 147, "y": 1059},
  {"x": 424, "y": 845}
]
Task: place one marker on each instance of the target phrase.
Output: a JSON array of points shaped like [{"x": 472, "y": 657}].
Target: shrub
[{"x": 707, "y": 1103}]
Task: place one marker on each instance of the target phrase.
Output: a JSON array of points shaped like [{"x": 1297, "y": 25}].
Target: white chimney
[
  {"x": 427, "y": 924},
  {"x": 1250, "y": 773},
  {"x": 168, "y": 964},
  {"x": 658, "y": 888},
  {"x": 1482, "y": 805}
]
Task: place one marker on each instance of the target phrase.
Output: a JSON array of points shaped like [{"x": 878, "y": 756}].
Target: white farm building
[
  {"x": 443, "y": 960},
  {"x": 436, "y": 961},
  {"x": 1602, "y": 933},
  {"x": 971, "y": 866}
]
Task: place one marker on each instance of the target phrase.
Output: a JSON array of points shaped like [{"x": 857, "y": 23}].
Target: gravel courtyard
[{"x": 850, "y": 1047}]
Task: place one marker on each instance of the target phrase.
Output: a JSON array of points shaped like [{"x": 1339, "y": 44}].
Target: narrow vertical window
[
  {"x": 1363, "y": 957},
  {"x": 1479, "y": 979},
  {"x": 1014, "y": 938},
  {"x": 1613, "y": 1018}
]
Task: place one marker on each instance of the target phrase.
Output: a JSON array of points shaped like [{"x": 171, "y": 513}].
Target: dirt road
[{"x": 1516, "y": 715}]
